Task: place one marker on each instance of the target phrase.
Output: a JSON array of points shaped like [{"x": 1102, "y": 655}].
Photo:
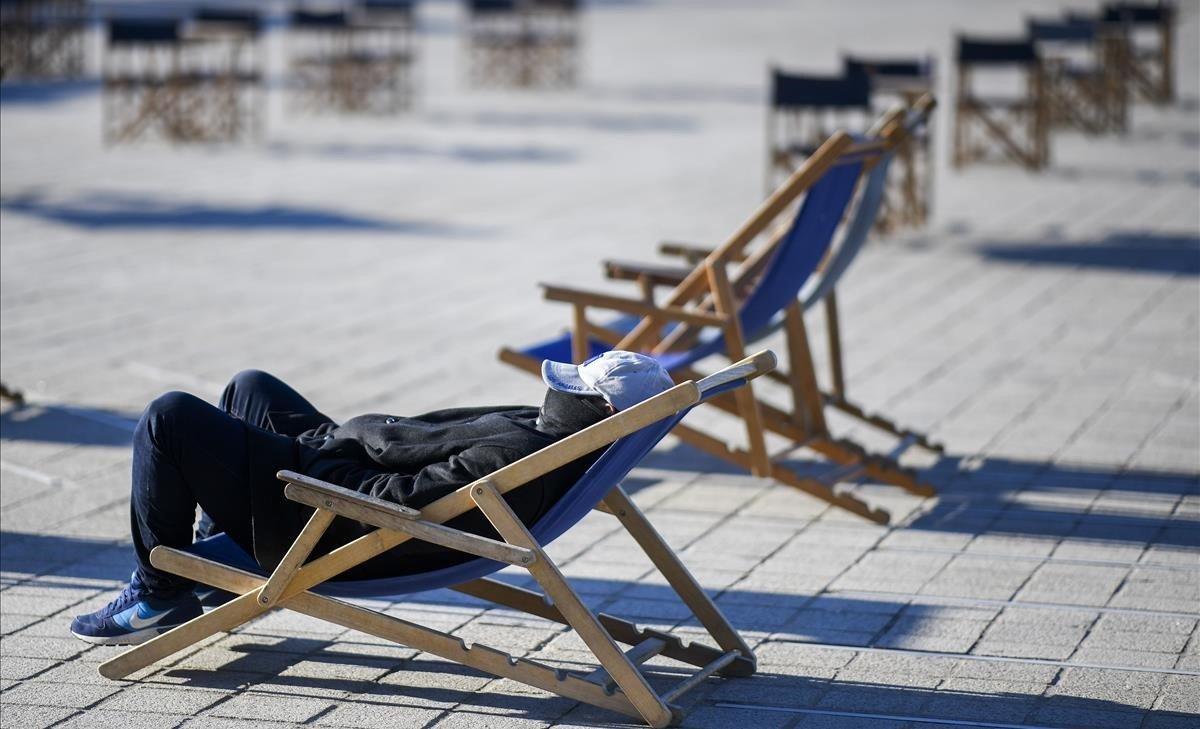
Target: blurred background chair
[
  {"x": 902, "y": 81},
  {"x": 1011, "y": 112},
  {"x": 197, "y": 79},
  {"x": 805, "y": 111},
  {"x": 1149, "y": 30},
  {"x": 143, "y": 79},
  {"x": 523, "y": 43},
  {"x": 1084, "y": 85},
  {"x": 42, "y": 39},
  {"x": 355, "y": 59}
]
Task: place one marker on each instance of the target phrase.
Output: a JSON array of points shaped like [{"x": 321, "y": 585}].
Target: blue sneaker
[{"x": 135, "y": 616}]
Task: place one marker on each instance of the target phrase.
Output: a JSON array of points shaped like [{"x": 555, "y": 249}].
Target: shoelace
[{"x": 127, "y": 597}]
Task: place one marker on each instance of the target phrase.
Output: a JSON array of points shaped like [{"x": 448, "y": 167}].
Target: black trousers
[{"x": 187, "y": 453}]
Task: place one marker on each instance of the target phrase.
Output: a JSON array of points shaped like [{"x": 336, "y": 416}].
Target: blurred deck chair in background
[
  {"x": 821, "y": 288},
  {"x": 1148, "y": 30},
  {"x": 42, "y": 39},
  {"x": 746, "y": 288},
  {"x": 905, "y": 81},
  {"x": 620, "y": 683},
  {"x": 1084, "y": 84},
  {"x": 1014, "y": 120},
  {"x": 354, "y": 59},
  {"x": 233, "y": 64},
  {"x": 523, "y": 43},
  {"x": 804, "y": 111},
  {"x": 195, "y": 79},
  {"x": 144, "y": 80}
]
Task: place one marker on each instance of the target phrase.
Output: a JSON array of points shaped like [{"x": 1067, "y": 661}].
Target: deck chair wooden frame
[
  {"x": 618, "y": 684},
  {"x": 523, "y": 43},
  {"x": 1091, "y": 97},
  {"x": 43, "y": 39},
  {"x": 909, "y": 82},
  {"x": 1017, "y": 126},
  {"x": 650, "y": 278},
  {"x": 709, "y": 296},
  {"x": 1148, "y": 70}
]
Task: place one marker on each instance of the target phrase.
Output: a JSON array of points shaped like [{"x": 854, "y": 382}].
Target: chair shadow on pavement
[
  {"x": 1126, "y": 251},
  {"x": 118, "y": 211},
  {"x": 67, "y": 424},
  {"x": 1003, "y": 496},
  {"x": 291, "y": 666}
]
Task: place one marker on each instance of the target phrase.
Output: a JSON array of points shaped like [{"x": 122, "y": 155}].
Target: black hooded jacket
[{"x": 415, "y": 461}]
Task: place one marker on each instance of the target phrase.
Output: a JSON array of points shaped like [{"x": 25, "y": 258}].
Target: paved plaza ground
[{"x": 1045, "y": 327}]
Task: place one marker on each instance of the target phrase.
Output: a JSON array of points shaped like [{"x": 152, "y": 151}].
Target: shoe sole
[{"x": 135, "y": 638}]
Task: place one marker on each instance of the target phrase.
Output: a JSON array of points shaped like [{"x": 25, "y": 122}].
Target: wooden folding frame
[
  {"x": 908, "y": 197},
  {"x": 523, "y": 43},
  {"x": 359, "y": 60},
  {"x": 709, "y": 296},
  {"x": 1083, "y": 70},
  {"x": 194, "y": 80},
  {"x": 1149, "y": 68},
  {"x": 1017, "y": 125},
  {"x": 43, "y": 39},
  {"x": 617, "y": 684}
]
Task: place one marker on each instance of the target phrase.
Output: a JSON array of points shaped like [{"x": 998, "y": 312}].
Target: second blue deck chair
[
  {"x": 715, "y": 311},
  {"x": 619, "y": 683}
]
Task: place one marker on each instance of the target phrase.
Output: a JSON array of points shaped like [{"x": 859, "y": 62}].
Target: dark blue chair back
[
  {"x": 135, "y": 31},
  {"x": 1076, "y": 29},
  {"x": 795, "y": 91},
  {"x": 892, "y": 67},
  {"x": 993, "y": 51},
  {"x": 317, "y": 19},
  {"x": 248, "y": 20},
  {"x": 1137, "y": 13}
]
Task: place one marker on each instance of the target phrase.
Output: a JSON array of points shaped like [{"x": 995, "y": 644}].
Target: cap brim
[{"x": 565, "y": 377}]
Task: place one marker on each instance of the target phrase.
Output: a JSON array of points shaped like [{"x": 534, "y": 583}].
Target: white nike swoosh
[{"x": 137, "y": 622}]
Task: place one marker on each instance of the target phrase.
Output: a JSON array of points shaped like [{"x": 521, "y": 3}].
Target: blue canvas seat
[
  {"x": 741, "y": 292},
  {"x": 619, "y": 684}
]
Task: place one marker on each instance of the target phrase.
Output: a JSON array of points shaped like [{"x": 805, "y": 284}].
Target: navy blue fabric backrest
[
  {"x": 492, "y": 6},
  {"x": 996, "y": 51},
  {"x": 391, "y": 6},
  {"x": 319, "y": 19},
  {"x": 247, "y": 19},
  {"x": 796, "y": 91},
  {"x": 803, "y": 247},
  {"x": 143, "y": 30},
  {"x": 1071, "y": 29},
  {"x": 1136, "y": 13},
  {"x": 915, "y": 68}
]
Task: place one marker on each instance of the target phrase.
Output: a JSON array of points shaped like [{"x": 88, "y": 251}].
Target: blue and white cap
[{"x": 622, "y": 378}]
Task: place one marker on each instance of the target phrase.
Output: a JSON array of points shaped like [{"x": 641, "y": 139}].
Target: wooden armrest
[
  {"x": 303, "y": 485},
  {"x": 386, "y": 515},
  {"x": 691, "y": 252},
  {"x": 655, "y": 275},
  {"x": 631, "y": 306}
]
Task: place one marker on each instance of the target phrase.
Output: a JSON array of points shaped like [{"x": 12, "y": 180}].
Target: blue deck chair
[
  {"x": 1149, "y": 67},
  {"x": 820, "y": 288},
  {"x": 713, "y": 311},
  {"x": 617, "y": 684}
]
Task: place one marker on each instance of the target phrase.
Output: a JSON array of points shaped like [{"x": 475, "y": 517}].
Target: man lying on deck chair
[{"x": 188, "y": 453}]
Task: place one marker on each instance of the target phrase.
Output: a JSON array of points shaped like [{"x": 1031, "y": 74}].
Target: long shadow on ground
[
  {"x": 1145, "y": 252},
  {"x": 112, "y": 211}
]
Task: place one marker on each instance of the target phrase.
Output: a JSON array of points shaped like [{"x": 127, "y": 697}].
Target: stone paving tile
[
  {"x": 33, "y": 717},
  {"x": 141, "y": 720}
]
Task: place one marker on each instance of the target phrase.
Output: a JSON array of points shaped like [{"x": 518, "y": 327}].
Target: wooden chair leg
[
  {"x": 676, "y": 573},
  {"x": 656, "y": 712}
]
